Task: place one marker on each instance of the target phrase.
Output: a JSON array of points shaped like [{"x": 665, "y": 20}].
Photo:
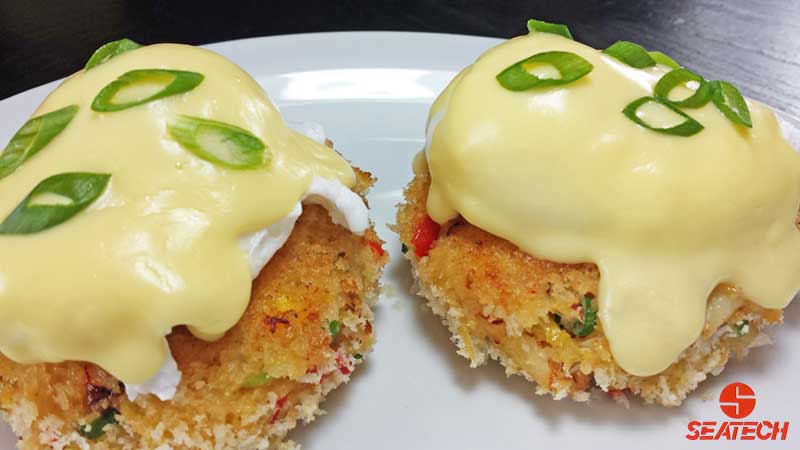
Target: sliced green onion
[
  {"x": 679, "y": 77},
  {"x": 96, "y": 428},
  {"x": 541, "y": 26},
  {"x": 631, "y": 54},
  {"x": 170, "y": 82},
  {"x": 585, "y": 327},
  {"x": 730, "y": 102},
  {"x": 68, "y": 194},
  {"x": 334, "y": 326},
  {"x": 219, "y": 143},
  {"x": 570, "y": 66},
  {"x": 403, "y": 248},
  {"x": 33, "y": 136},
  {"x": 686, "y": 128},
  {"x": 109, "y": 51},
  {"x": 259, "y": 379},
  {"x": 358, "y": 356},
  {"x": 664, "y": 59}
]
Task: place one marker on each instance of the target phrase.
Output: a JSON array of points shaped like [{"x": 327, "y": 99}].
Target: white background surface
[{"x": 372, "y": 91}]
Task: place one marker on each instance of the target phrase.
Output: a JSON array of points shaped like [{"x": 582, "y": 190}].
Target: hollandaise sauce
[
  {"x": 668, "y": 199},
  {"x": 123, "y": 199}
]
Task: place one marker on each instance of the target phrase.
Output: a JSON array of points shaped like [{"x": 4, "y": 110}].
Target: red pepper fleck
[
  {"x": 342, "y": 366},
  {"x": 425, "y": 234},
  {"x": 278, "y": 407},
  {"x": 376, "y": 248},
  {"x": 272, "y": 322},
  {"x": 368, "y": 327}
]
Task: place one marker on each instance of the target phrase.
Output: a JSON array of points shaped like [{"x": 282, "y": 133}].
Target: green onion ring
[
  {"x": 219, "y": 143},
  {"x": 181, "y": 81},
  {"x": 33, "y": 136},
  {"x": 678, "y": 77},
  {"x": 664, "y": 59},
  {"x": 571, "y": 67},
  {"x": 686, "y": 128},
  {"x": 731, "y": 103},
  {"x": 110, "y": 50},
  {"x": 541, "y": 26},
  {"x": 82, "y": 189},
  {"x": 631, "y": 54}
]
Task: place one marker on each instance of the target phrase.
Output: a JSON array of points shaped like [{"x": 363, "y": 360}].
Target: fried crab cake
[
  {"x": 307, "y": 326},
  {"x": 530, "y": 314}
]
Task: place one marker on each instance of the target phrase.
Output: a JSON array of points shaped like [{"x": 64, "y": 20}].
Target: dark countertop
[{"x": 754, "y": 44}]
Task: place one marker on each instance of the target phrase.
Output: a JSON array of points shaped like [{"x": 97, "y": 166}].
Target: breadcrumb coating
[
  {"x": 502, "y": 303},
  {"x": 307, "y": 326}
]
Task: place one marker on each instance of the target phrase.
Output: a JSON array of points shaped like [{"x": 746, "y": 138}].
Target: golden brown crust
[
  {"x": 323, "y": 273},
  {"x": 501, "y": 302}
]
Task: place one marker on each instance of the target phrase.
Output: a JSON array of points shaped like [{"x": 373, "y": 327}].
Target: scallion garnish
[
  {"x": 686, "y": 128},
  {"x": 517, "y": 77},
  {"x": 110, "y": 50},
  {"x": 403, "y": 248},
  {"x": 631, "y": 54},
  {"x": 219, "y": 142},
  {"x": 96, "y": 428},
  {"x": 257, "y": 380},
  {"x": 541, "y": 26},
  {"x": 68, "y": 194},
  {"x": 33, "y": 136},
  {"x": 678, "y": 77},
  {"x": 136, "y": 87},
  {"x": 664, "y": 59},
  {"x": 358, "y": 356},
  {"x": 730, "y": 102},
  {"x": 584, "y": 328}
]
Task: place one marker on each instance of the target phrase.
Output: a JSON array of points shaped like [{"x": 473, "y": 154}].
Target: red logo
[{"x": 737, "y": 401}]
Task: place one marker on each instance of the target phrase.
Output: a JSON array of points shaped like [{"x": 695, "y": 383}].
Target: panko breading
[
  {"x": 323, "y": 281},
  {"x": 503, "y": 303}
]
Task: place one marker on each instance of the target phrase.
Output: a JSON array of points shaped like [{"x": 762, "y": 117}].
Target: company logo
[{"x": 737, "y": 401}]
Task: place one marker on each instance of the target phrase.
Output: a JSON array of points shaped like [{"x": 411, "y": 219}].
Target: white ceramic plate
[{"x": 372, "y": 91}]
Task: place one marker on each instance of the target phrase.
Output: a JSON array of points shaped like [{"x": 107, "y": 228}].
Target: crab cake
[
  {"x": 306, "y": 328},
  {"x": 552, "y": 233},
  {"x": 210, "y": 271}
]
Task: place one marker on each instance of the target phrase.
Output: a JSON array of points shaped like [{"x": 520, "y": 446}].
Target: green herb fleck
[
  {"x": 257, "y": 380},
  {"x": 404, "y": 248},
  {"x": 584, "y": 328},
  {"x": 741, "y": 328},
  {"x": 358, "y": 356},
  {"x": 334, "y": 326},
  {"x": 96, "y": 428}
]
